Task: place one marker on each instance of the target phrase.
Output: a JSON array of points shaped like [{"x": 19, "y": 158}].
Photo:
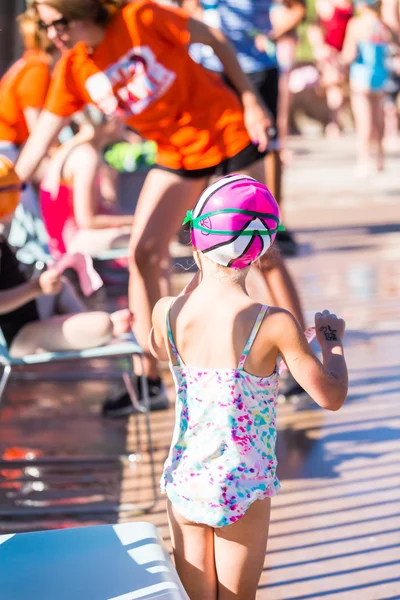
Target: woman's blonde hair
[
  {"x": 97, "y": 11},
  {"x": 32, "y": 37}
]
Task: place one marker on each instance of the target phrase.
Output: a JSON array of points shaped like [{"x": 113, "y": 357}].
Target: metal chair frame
[{"x": 126, "y": 348}]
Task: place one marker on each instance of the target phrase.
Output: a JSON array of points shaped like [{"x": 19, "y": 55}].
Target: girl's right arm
[
  {"x": 157, "y": 337},
  {"x": 326, "y": 383},
  {"x": 47, "y": 128}
]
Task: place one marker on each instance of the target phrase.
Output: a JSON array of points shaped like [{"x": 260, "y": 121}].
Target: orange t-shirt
[
  {"x": 25, "y": 85},
  {"x": 142, "y": 71}
]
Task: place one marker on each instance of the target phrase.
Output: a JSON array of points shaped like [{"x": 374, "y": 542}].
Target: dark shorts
[
  {"x": 267, "y": 84},
  {"x": 249, "y": 155}
]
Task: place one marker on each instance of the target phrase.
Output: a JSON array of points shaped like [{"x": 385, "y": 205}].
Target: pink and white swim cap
[{"x": 234, "y": 221}]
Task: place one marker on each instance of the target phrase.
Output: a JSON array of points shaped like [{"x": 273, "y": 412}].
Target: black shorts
[
  {"x": 249, "y": 155},
  {"x": 267, "y": 84}
]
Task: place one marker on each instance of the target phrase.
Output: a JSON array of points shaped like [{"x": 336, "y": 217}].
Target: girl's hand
[
  {"x": 50, "y": 282},
  {"x": 329, "y": 328},
  {"x": 257, "y": 120}
]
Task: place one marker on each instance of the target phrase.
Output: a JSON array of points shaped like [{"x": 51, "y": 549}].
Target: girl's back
[
  {"x": 211, "y": 329},
  {"x": 222, "y": 457}
]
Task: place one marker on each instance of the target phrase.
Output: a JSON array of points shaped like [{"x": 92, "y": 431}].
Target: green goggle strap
[{"x": 195, "y": 222}]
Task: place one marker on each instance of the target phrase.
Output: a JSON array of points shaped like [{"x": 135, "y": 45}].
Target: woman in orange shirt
[
  {"x": 23, "y": 91},
  {"x": 134, "y": 62},
  {"x": 24, "y": 87}
]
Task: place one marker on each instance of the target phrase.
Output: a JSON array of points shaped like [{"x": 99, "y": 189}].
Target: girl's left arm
[{"x": 256, "y": 116}]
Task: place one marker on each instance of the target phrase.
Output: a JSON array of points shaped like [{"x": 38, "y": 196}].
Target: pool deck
[{"x": 335, "y": 527}]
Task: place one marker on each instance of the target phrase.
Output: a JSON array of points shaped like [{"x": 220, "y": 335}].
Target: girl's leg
[
  {"x": 193, "y": 546},
  {"x": 240, "y": 552},
  {"x": 378, "y": 123},
  {"x": 95, "y": 241},
  {"x": 272, "y": 268},
  {"x": 163, "y": 202},
  {"x": 61, "y": 333},
  {"x": 361, "y": 108}
]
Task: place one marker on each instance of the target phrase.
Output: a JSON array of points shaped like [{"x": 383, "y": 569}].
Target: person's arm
[
  {"x": 390, "y": 12},
  {"x": 289, "y": 19},
  {"x": 326, "y": 383},
  {"x": 349, "y": 51},
  {"x": 48, "y": 283},
  {"x": 157, "y": 342},
  {"x": 31, "y": 117},
  {"x": 47, "y": 127},
  {"x": 51, "y": 179},
  {"x": 86, "y": 192},
  {"x": 256, "y": 116}
]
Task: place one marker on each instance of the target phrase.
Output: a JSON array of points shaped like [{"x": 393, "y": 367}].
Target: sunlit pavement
[{"x": 335, "y": 529}]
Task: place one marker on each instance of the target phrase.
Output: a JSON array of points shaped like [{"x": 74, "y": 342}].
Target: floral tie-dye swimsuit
[{"x": 222, "y": 455}]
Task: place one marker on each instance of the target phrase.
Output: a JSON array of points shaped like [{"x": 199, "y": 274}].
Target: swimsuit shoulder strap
[
  {"x": 252, "y": 335},
  {"x": 170, "y": 336}
]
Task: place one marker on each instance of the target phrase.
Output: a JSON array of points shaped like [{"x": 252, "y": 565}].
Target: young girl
[
  {"x": 70, "y": 196},
  {"x": 223, "y": 348},
  {"x": 23, "y": 90},
  {"x": 43, "y": 314},
  {"x": 366, "y": 50}
]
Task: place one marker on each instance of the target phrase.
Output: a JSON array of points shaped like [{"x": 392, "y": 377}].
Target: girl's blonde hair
[{"x": 99, "y": 12}]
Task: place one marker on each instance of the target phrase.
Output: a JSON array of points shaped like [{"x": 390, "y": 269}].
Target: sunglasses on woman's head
[{"x": 59, "y": 25}]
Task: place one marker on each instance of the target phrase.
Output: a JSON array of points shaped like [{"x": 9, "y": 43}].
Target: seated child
[
  {"x": 70, "y": 195},
  {"x": 44, "y": 313}
]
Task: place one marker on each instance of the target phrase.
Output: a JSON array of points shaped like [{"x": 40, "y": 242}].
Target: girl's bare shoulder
[{"x": 279, "y": 322}]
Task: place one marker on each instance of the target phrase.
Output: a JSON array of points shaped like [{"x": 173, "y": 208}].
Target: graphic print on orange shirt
[
  {"x": 142, "y": 71},
  {"x": 129, "y": 86}
]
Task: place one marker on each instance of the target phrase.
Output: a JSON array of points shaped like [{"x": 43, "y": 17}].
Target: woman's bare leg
[
  {"x": 240, "y": 552},
  {"x": 378, "y": 123},
  {"x": 163, "y": 202},
  {"x": 334, "y": 98},
  {"x": 273, "y": 269},
  {"x": 193, "y": 546},
  {"x": 61, "y": 333}
]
